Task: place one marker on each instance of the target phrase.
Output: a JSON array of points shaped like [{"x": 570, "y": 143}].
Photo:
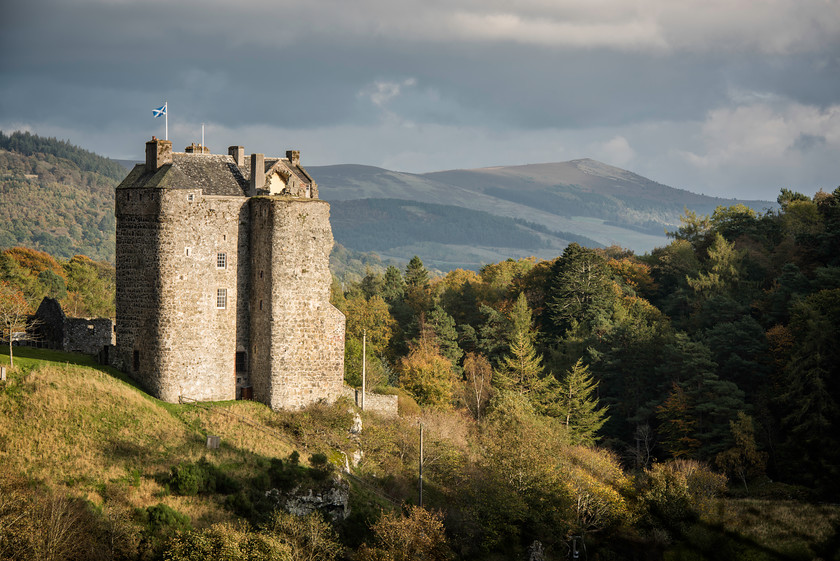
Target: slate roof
[{"x": 215, "y": 174}]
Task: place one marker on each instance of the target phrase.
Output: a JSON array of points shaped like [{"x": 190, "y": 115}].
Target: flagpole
[{"x": 166, "y": 117}]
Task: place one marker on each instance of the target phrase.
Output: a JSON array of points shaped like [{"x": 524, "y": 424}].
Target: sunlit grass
[{"x": 87, "y": 429}]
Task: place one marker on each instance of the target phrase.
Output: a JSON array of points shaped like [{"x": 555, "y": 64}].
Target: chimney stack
[
  {"x": 293, "y": 156},
  {"x": 158, "y": 153},
  {"x": 238, "y": 154},
  {"x": 196, "y": 149},
  {"x": 257, "y": 173}
]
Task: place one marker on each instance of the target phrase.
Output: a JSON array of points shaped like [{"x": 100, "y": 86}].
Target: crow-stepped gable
[{"x": 223, "y": 279}]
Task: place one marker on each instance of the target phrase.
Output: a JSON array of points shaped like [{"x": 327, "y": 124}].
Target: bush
[
  {"x": 160, "y": 523},
  {"x": 201, "y": 477},
  {"x": 321, "y": 467},
  {"x": 679, "y": 491}
]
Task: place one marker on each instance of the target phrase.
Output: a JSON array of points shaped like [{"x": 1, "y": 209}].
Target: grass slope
[{"x": 86, "y": 429}]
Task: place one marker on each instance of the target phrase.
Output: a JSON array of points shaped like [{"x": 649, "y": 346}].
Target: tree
[
  {"x": 426, "y": 374},
  {"x": 678, "y": 424},
  {"x": 14, "y": 312},
  {"x": 744, "y": 459},
  {"x": 370, "y": 316},
  {"x": 418, "y": 292},
  {"x": 580, "y": 292},
  {"x": 445, "y": 334},
  {"x": 810, "y": 402},
  {"x": 417, "y": 535},
  {"x": 723, "y": 271},
  {"x": 521, "y": 368},
  {"x": 579, "y": 410},
  {"x": 478, "y": 376},
  {"x": 693, "y": 228}
]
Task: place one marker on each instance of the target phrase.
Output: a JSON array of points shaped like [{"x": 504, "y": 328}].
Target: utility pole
[
  {"x": 364, "y": 364},
  {"x": 421, "y": 465}
]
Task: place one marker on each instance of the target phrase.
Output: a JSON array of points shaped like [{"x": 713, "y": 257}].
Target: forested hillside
[
  {"x": 604, "y": 203},
  {"x": 56, "y": 197},
  {"x": 680, "y": 404},
  {"x": 448, "y": 237},
  {"x": 85, "y": 288},
  {"x": 719, "y": 346}
]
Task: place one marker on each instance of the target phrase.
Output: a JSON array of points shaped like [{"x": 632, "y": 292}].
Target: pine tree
[
  {"x": 418, "y": 294},
  {"x": 678, "y": 424},
  {"x": 521, "y": 368},
  {"x": 579, "y": 410}
]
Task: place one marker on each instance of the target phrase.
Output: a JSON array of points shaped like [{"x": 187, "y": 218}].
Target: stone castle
[{"x": 223, "y": 280}]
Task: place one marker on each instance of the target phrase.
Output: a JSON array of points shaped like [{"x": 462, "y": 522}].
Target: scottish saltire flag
[{"x": 159, "y": 111}]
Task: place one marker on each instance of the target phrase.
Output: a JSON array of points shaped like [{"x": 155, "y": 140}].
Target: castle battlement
[{"x": 223, "y": 279}]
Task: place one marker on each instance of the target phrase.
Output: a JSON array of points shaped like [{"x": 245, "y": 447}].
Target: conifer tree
[
  {"x": 578, "y": 407},
  {"x": 678, "y": 424}
]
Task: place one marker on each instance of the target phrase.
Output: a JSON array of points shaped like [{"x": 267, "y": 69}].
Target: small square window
[
  {"x": 191, "y": 197},
  {"x": 221, "y": 298},
  {"x": 221, "y": 260}
]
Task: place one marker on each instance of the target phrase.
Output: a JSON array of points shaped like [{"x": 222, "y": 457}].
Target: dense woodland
[
  {"x": 719, "y": 347},
  {"x": 600, "y": 394},
  {"x": 56, "y": 197}
]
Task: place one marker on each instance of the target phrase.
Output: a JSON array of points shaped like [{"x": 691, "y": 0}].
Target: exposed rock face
[{"x": 333, "y": 502}]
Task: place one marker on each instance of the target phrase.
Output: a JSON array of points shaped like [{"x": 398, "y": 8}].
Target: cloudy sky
[{"x": 736, "y": 98}]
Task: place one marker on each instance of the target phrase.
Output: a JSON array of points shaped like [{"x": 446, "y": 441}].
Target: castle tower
[{"x": 222, "y": 286}]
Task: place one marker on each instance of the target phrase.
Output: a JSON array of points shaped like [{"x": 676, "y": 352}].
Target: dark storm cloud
[{"x": 648, "y": 83}]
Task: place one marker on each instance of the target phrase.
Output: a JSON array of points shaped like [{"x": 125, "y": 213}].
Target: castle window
[
  {"x": 187, "y": 251},
  {"x": 221, "y": 298},
  {"x": 240, "y": 363},
  {"x": 191, "y": 197},
  {"x": 136, "y": 362},
  {"x": 221, "y": 260}
]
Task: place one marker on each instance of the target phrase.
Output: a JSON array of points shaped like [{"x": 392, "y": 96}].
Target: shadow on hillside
[{"x": 31, "y": 354}]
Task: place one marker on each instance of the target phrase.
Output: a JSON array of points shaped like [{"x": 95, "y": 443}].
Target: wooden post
[
  {"x": 421, "y": 465},
  {"x": 364, "y": 364}
]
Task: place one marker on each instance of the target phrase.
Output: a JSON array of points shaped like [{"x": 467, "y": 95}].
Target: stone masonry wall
[
  {"x": 297, "y": 336},
  {"x": 87, "y": 335},
  {"x": 199, "y": 333},
  {"x": 138, "y": 286}
]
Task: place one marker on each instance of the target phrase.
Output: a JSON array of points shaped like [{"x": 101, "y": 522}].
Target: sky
[{"x": 732, "y": 98}]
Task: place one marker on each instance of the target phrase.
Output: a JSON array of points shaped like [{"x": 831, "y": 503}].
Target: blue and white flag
[{"x": 159, "y": 111}]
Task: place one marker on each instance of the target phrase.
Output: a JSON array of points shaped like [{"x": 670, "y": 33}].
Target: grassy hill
[{"x": 97, "y": 469}]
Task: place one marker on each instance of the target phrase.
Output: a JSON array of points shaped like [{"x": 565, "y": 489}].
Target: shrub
[
  {"x": 161, "y": 523},
  {"x": 201, "y": 477},
  {"x": 679, "y": 491}
]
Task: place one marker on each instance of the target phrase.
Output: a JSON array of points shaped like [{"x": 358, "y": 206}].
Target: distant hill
[
  {"x": 56, "y": 197},
  {"x": 607, "y": 204},
  {"x": 446, "y": 236}
]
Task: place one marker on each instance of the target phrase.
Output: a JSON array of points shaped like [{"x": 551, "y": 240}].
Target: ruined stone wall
[
  {"x": 199, "y": 332},
  {"x": 137, "y": 284},
  {"x": 297, "y": 336},
  {"x": 381, "y": 404},
  {"x": 87, "y": 335}
]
